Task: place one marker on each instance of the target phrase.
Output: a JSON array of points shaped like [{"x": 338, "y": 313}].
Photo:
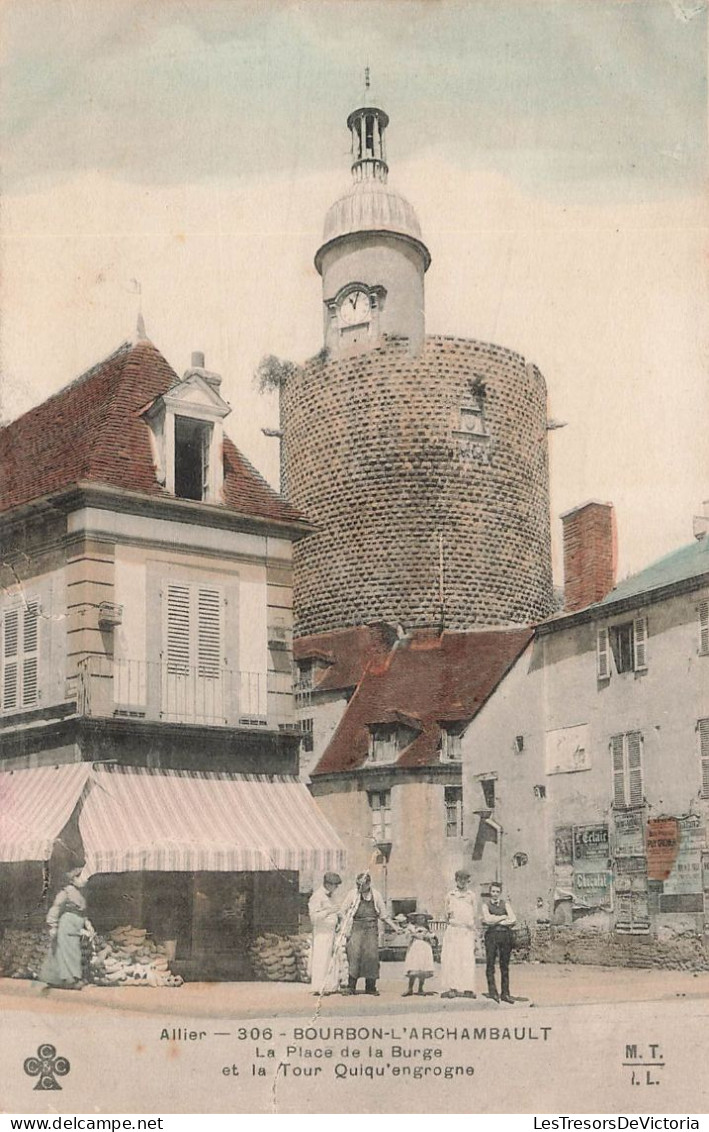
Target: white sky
[{"x": 555, "y": 153}]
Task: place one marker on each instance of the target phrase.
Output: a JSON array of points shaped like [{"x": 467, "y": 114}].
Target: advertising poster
[{"x": 353, "y": 401}]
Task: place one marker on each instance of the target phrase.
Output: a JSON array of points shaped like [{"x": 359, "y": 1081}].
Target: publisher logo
[{"x": 47, "y": 1067}]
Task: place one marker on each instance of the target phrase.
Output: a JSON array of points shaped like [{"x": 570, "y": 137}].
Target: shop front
[{"x": 202, "y": 862}]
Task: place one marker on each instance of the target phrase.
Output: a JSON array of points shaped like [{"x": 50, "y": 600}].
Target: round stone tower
[{"x": 422, "y": 461}]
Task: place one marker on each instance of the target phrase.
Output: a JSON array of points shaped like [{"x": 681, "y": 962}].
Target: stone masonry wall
[
  {"x": 374, "y": 456},
  {"x": 608, "y": 949}
]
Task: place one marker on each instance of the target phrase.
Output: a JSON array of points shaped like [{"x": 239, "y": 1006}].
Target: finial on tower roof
[
  {"x": 140, "y": 334},
  {"x": 366, "y": 77}
]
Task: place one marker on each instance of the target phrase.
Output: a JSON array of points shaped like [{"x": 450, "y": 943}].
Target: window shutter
[
  {"x": 30, "y": 649},
  {"x": 640, "y": 644},
  {"x": 11, "y": 641},
  {"x": 704, "y": 628},
  {"x": 703, "y": 728},
  {"x": 209, "y": 634},
  {"x": 177, "y": 637},
  {"x": 618, "y": 770},
  {"x": 635, "y": 769},
  {"x": 603, "y": 659}
]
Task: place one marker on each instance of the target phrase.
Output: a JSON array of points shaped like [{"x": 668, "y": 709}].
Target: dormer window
[
  {"x": 186, "y": 425},
  {"x": 452, "y": 742},
  {"x": 388, "y": 740},
  {"x": 192, "y": 450}
]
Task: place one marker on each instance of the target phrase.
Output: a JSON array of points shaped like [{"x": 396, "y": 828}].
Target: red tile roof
[
  {"x": 431, "y": 680},
  {"x": 91, "y": 431},
  {"x": 346, "y": 652}
]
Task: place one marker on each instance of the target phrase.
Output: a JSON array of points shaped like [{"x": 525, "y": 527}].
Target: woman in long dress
[
  {"x": 67, "y": 924},
  {"x": 458, "y": 952}
]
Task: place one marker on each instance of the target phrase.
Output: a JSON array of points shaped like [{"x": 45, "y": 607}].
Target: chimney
[
  {"x": 590, "y": 547},
  {"x": 197, "y": 366},
  {"x": 701, "y": 522}
]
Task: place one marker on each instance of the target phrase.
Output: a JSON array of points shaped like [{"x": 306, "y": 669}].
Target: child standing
[{"x": 419, "y": 957}]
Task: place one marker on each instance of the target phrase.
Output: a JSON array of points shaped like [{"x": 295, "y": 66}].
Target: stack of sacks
[
  {"x": 23, "y": 951},
  {"x": 128, "y": 957},
  {"x": 281, "y": 958}
]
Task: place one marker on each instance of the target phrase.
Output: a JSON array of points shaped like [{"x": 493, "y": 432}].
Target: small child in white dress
[{"x": 419, "y": 957}]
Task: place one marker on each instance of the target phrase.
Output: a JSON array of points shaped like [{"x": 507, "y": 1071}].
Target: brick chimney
[{"x": 590, "y": 547}]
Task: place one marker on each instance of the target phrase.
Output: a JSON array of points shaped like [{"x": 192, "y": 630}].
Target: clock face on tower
[{"x": 355, "y": 308}]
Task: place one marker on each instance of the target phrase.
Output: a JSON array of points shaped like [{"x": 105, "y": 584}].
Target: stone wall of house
[
  {"x": 686, "y": 951},
  {"x": 402, "y": 492}
]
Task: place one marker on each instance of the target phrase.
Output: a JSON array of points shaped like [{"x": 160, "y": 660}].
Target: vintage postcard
[{"x": 354, "y": 607}]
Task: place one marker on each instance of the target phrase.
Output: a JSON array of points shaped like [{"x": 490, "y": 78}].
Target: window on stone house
[
  {"x": 380, "y": 806},
  {"x": 487, "y": 786},
  {"x": 20, "y": 657},
  {"x": 453, "y": 801},
  {"x": 304, "y": 675},
  {"x": 703, "y": 733},
  {"x": 306, "y": 735},
  {"x": 192, "y": 455},
  {"x": 627, "y": 769},
  {"x": 451, "y": 746},
  {"x": 387, "y": 740},
  {"x": 703, "y": 612},
  {"x": 626, "y": 643}
]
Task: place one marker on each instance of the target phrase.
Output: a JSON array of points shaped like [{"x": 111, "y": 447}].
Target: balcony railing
[{"x": 176, "y": 693}]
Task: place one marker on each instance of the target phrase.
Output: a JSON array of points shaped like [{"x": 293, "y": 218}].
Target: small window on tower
[
  {"x": 192, "y": 451},
  {"x": 369, "y": 137}
]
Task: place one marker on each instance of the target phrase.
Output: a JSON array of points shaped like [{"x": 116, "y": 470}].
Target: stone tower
[{"x": 422, "y": 461}]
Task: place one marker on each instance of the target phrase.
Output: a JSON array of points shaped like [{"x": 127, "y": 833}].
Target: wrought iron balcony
[{"x": 177, "y": 693}]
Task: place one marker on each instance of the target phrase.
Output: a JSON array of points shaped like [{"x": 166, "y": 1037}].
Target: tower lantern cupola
[
  {"x": 373, "y": 258},
  {"x": 367, "y": 126}
]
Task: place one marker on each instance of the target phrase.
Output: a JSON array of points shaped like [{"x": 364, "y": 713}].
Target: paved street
[{"x": 533, "y": 985}]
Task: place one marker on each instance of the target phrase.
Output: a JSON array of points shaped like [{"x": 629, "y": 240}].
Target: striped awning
[
  {"x": 136, "y": 819},
  {"x": 35, "y": 805}
]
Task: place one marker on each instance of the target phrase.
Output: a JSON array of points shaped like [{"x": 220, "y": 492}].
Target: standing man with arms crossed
[{"x": 498, "y": 920}]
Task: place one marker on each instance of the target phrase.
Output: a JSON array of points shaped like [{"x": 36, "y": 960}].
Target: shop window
[
  {"x": 192, "y": 450},
  {"x": 703, "y": 732},
  {"x": 452, "y": 742},
  {"x": 703, "y": 613},
  {"x": 627, "y": 769},
  {"x": 453, "y": 800},
  {"x": 380, "y": 806},
  {"x": 20, "y": 657}
]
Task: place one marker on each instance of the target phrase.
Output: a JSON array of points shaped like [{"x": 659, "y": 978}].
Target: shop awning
[
  {"x": 35, "y": 805},
  {"x": 136, "y": 819}
]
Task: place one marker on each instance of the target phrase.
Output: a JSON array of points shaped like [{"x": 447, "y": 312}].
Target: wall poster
[{"x": 167, "y": 169}]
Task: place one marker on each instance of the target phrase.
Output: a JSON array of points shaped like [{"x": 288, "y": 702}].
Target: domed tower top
[{"x": 373, "y": 258}]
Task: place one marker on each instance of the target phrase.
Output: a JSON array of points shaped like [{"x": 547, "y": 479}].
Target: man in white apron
[{"x": 322, "y": 910}]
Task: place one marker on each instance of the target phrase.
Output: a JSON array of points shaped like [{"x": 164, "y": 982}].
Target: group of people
[{"x": 346, "y": 939}]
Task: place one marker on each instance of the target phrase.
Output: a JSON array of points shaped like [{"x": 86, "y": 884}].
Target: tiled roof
[
  {"x": 92, "y": 432},
  {"x": 428, "y": 680},
  {"x": 346, "y": 652},
  {"x": 679, "y": 566}
]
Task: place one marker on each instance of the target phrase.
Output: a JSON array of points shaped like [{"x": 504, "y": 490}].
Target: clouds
[
  {"x": 554, "y": 152},
  {"x": 159, "y": 91}
]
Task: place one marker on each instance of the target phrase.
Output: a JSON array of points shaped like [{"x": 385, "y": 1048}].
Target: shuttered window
[
  {"x": 193, "y": 624},
  {"x": 640, "y": 644},
  {"x": 603, "y": 655},
  {"x": 703, "y": 731},
  {"x": 704, "y": 628},
  {"x": 627, "y": 769},
  {"x": 20, "y": 657}
]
